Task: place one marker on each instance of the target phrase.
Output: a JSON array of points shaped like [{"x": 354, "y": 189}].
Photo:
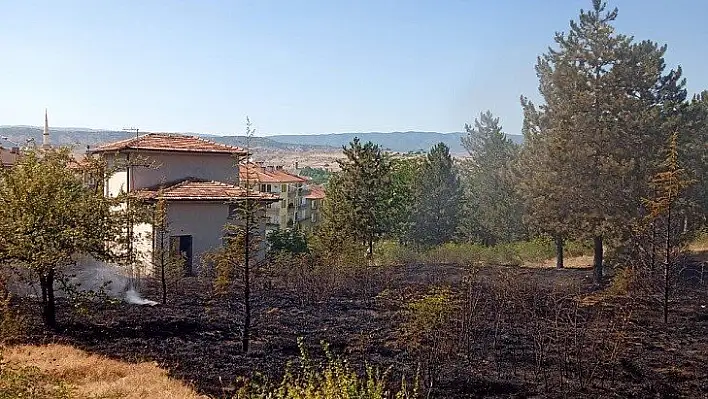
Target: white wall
[
  {"x": 204, "y": 221},
  {"x": 175, "y": 166}
]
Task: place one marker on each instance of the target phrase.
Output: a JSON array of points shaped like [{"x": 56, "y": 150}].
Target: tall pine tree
[
  {"x": 436, "y": 212},
  {"x": 604, "y": 98},
  {"x": 365, "y": 189},
  {"x": 493, "y": 209}
]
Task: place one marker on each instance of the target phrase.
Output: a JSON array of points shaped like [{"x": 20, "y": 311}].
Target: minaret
[{"x": 45, "y": 134}]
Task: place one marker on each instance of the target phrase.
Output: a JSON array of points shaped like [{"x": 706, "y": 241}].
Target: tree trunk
[
  {"x": 247, "y": 284},
  {"x": 559, "y": 253},
  {"x": 163, "y": 277},
  {"x": 597, "y": 259},
  {"x": 49, "y": 314},
  {"x": 371, "y": 250},
  {"x": 667, "y": 265}
]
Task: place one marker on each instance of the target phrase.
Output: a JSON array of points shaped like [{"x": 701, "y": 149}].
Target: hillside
[
  {"x": 394, "y": 141},
  {"x": 79, "y": 138}
]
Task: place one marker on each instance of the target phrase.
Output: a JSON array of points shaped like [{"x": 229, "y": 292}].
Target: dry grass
[
  {"x": 577, "y": 262},
  {"x": 95, "y": 376}
]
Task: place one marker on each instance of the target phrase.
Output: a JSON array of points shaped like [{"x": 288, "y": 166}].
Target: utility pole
[{"x": 132, "y": 129}]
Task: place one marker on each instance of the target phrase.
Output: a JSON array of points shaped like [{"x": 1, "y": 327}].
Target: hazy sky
[{"x": 299, "y": 66}]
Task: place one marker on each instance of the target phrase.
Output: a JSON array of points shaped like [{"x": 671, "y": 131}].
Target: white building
[{"x": 197, "y": 178}]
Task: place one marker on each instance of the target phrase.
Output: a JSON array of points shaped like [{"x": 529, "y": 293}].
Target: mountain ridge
[{"x": 409, "y": 141}]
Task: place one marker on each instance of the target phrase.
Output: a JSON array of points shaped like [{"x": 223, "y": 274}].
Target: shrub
[
  {"x": 30, "y": 382},
  {"x": 334, "y": 379}
]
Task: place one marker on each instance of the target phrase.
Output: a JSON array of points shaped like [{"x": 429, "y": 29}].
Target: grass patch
[{"x": 60, "y": 371}]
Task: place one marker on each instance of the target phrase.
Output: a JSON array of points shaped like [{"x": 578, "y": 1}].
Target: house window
[
  {"x": 313, "y": 218},
  {"x": 269, "y": 205},
  {"x": 314, "y": 204},
  {"x": 284, "y": 188},
  {"x": 265, "y": 188},
  {"x": 233, "y": 211}
]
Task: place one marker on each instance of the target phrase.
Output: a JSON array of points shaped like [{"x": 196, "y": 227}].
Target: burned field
[{"x": 492, "y": 332}]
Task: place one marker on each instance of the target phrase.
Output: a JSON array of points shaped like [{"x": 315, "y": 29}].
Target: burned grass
[{"x": 509, "y": 332}]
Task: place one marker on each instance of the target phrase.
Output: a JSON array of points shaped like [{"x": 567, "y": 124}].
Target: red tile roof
[
  {"x": 7, "y": 157},
  {"x": 172, "y": 143},
  {"x": 202, "y": 190},
  {"x": 257, "y": 173},
  {"x": 316, "y": 192}
]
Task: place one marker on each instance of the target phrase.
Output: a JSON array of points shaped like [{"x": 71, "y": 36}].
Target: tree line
[{"x": 612, "y": 120}]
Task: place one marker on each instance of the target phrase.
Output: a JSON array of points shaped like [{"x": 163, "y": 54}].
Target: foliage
[
  {"x": 429, "y": 330},
  {"x": 405, "y": 176},
  {"x": 606, "y": 97},
  {"x": 318, "y": 175},
  {"x": 364, "y": 192},
  {"x": 30, "y": 382},
  {"x": 287, "y": 240},
  {"x": 334, "y": 379},
  {"x": 48, "y": 215},
  {"x": 438, "y": 197},
  {"x": 493, "y": 207}
]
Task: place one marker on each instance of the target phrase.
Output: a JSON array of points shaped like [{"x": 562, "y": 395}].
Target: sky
[{"x": 300, "y": 66}]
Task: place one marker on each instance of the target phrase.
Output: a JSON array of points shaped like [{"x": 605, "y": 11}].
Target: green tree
[
  {"x": 48, "y": 216},
  {"x": 365, "y": 192},
  {"x": 493, "y": 208},
  {"x": 438, "y": 197},
  {"x": 405, "y": 175},
  {"x": 604, "y": 99},
  {"x": 318, "y": 175},
  {"x": 287, "y": 240}
]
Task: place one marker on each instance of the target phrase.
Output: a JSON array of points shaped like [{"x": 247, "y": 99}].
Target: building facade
[{"x": 198, "y": 180}]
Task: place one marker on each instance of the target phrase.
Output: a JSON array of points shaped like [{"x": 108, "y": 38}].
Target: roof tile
[
  {"x": 170, "y": 142},
  {"x": 202, "y": 190}
]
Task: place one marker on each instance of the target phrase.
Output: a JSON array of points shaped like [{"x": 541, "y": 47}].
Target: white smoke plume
[{"x": 114, "y": 280}]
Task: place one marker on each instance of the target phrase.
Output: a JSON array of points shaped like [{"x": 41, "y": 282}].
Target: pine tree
[
  {"x": 664, "y": 208},
  {"x": 435, "y": 215},
  {"x": 366, "y": 192},
  {"x": 605, "y": 97},
  {"x": 493, "y": 206}
]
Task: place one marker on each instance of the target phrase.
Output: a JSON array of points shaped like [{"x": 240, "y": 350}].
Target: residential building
[
  {"x": 8, "y": 156},
  {"x": 291, "y": 210},
  {"x": 314, "y": 201},
  {"x": 197, "y": 178}
]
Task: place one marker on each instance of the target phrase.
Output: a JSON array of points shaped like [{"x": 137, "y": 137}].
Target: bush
[
  {"x": 30, "y": 382},
  {"x": 334, "y": 379}
]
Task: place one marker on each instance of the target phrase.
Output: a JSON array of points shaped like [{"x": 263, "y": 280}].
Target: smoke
[
  {"x": 132, "y": 296},
  {"x": 92, "y": 275}
]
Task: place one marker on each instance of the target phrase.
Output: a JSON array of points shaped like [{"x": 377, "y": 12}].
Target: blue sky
[{"x": 299, "y": 66}]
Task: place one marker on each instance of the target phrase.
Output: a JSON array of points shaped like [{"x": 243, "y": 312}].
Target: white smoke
[
  {"x": 132, "y": 296},
  {"x": 92, "y": 275}
]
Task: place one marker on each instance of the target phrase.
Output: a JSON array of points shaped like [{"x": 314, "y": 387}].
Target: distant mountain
[
  {"x": 79, "y": 138},
  {"x": 394, "y": 141}
]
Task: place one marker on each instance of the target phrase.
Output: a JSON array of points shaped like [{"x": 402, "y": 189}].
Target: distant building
[
  {"x": 197, "y": 178},
  {"x": 9, "y": 156},
  {"x": 291, "y": 210},
  {"x": 314, "y": 206}
]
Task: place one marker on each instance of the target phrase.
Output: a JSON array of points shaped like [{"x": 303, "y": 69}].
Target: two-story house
[
  {"x": 198, "y": 179},
  {"x": 291, "y": 210}
]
